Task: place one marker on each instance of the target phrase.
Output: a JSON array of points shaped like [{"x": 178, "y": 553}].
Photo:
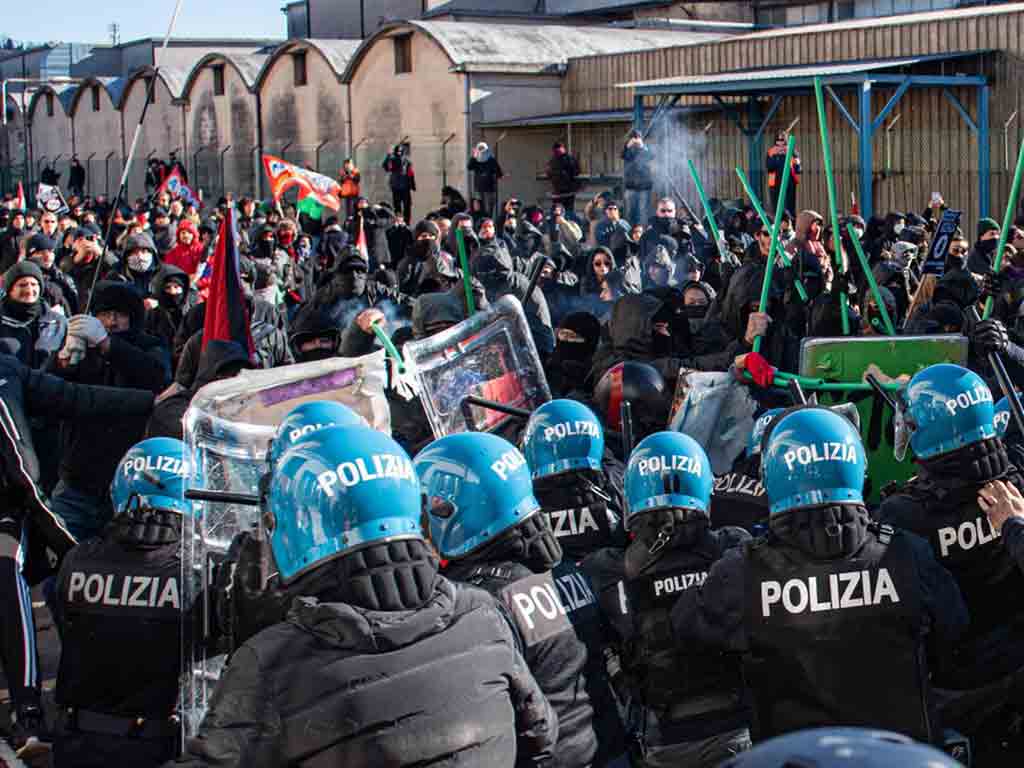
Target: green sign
[{"x": 849, "y": 360}]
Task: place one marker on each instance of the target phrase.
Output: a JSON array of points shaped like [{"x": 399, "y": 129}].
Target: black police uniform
[
  {"x": 584, "y": 509},
  {"x": 693, "y": 693},
  {"x": 120, "y": 605},
  {"x": 944, "y": 510},
  {"x": 830, "y": 640},
  {"x": 739, "y": 498},
  {"x": 556, "y": 617}
]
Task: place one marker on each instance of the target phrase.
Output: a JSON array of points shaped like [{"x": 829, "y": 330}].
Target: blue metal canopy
[{"x": 863, "y": 75}]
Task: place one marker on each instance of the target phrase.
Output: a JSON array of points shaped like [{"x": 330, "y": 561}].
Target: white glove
[{"x": 87, "y": 328}]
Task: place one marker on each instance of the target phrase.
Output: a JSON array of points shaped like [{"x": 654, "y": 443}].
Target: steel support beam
[
  {"x": 984, "y": 160},
  {"x": 864, "y": 136}
]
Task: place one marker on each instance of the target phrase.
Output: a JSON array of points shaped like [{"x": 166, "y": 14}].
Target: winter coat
[
  {"x": 486, "y": 173},
  {"x": 562, "y": 173},
  {"x": 636, "y": 168},
  {"x": 35, "y": 341},
  {"x": 401, "y": 175},
  {"x": 440, "y": 686},
  {"x": 187, "y": 258}
]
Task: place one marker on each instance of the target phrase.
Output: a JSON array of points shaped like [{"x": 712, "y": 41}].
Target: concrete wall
[
  {"x": 161, "y": 132},
  {"x": 218, "y": 124},
  {"x": 100, "y": 132},
  {"x": 305, "y": 116},
  {"x": 427, "y": 105},
  {"x": 51, "y": 136}
]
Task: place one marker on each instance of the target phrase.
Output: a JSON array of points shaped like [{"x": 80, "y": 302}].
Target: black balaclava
[{"x": 351, "y": 282}]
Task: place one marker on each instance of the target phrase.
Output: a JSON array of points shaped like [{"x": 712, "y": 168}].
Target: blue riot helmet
[
  {"x": 1001, "y": 419},
  {"x": 563, "y": 436},
  {"x": 812, "y": 457},
  {"x": 943, "y": 408},
  {"x": 307, "y": 418},
  {"x": 842, "y": 748},
  {"x": 153, "y": 474},
  {"x": 476, "y": 486},
  {"x": 668, "y": 470},
  {"x": 761, "y": 423},
  {"x": 340, "y": 490}
]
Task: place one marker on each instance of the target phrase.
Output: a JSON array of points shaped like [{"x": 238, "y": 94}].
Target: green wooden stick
[
  {"x": 767, "y": 223},
  {"x": 712, "y": 224},
  {"x": 769, "y": 266},
  {"x": 1004, "y": 233},
  {"x": 826, "y": 150},
  {"x": 385, "y": 340},
  {"x": 871, "y": 280},
  {"x": 467, "y": 281}
]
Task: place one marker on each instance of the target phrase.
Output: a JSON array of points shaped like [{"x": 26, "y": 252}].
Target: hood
[
  {"x": 631, "y": 325},
  {"x": 111, "y": 294},
  {"x": 341, "y": 625},
  {"x": 493, "y": 259},
  {"x": 744, "y": 288},
  {"x": 435, "y": 308},
  {"x": 957, "y": 286},
  {"x": 803, "y": 223},
  {"x": 186, "y": 225},
  {"x": 890, "y": 221},
  {"x": 217, "y": 359},
  {"x": 141, "y": 240},
  {"x": 170, "y": 272}
]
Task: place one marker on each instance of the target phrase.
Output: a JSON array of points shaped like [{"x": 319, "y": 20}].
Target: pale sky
[{"x": 87, "y": 21}]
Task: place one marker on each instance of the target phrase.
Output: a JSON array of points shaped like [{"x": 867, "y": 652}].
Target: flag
[
  {"x": 227, "y": 315},
  {"x": 49, "y": 198},
  {"x": 309, "y": 206},
  {"x": 20, "y": 199},
  {"x": 361, "y": 241},
  {"x": 284, "y": 175},
  {"x": 176, "y": 187}
]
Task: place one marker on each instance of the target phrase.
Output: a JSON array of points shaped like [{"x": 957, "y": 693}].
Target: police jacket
[
  {"x": 25, "y": 393},
  {"x": 695, "y": 691},
  {"x": 442, "y": 685},
  {"x": 557, "y": 622},
  {"x": 120, "y": 609},
  {"x": 829, "y": 641},
  {"x": 585, "y": 510},
  {"x": 946, "y": 513},
  {"x": 740, "y": 499}
]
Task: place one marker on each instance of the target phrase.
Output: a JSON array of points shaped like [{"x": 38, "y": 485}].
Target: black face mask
[
  {"x": 662, "y": 226},
  {"x": 987, "y": 246},
  {"x": 314, "y": 355},
  {"x": 22, "y": 312},
  {"x": 265, "y": 249},
  {"x": 172, "y": 300},
  {"x": 352, "y": 283},
  {"x": 423, "y": 249}
]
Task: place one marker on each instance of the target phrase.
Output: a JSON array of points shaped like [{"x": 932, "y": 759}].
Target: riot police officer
[
  {"x": 485, "y": 520},
  {"x": 686, "y": 704},
  {"x": 842, "y": 748},
  {"x": 833, "y": 612},
  {"x": 739, "y": 498},
  {"x": 249, "y": 598},
  {"x": 119, "y": 600},
  {"x": 948, "y": 414},
  {"x": 1007, "y": 429},
  {"x": 579, "y": 489},
  {"x": 382, "y": 661}
]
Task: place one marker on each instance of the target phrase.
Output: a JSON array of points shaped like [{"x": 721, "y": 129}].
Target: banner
[
  {"x": 284, "y": 175},
  {"x": 936, "y": 262},
  {"x": 174, "y": 185},
  {"x": 227, "y": 316},
  {"x": 49, "y": 198}
]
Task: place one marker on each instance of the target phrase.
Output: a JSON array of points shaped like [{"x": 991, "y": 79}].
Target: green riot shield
[{"x": 849, "y": 360}]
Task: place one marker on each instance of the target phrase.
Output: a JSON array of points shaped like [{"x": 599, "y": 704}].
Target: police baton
[
  {"x": 996, "y": 361},
  {"x": 796, "y": 392},
  {"x": 223, "y": 497},
  {"x": 881, "y": 391},
  {"x": 509, "y": 410},
  {"x": 626, "y": 416}
]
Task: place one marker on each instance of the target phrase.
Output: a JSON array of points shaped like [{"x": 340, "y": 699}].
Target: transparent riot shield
[
  {"x": 717, "y": 411},
  {"x": 228, "y": 427},
  {"x": 490, "y": 355},
  {"x": 849, "y": 360}
]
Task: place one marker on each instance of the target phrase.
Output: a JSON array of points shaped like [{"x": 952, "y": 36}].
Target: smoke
[{"x": 673, "y": 142}]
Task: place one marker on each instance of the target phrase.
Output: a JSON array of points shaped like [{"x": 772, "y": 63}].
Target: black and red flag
[{"x": 227, "y": 313}]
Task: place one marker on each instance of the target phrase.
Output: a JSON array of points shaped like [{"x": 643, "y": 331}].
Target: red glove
[{"x": 762, "y": 372}]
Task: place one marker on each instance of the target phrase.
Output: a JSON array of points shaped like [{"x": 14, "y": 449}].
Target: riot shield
[
  {"x": 490, "y": 355},
  {"x": 849, "y": 360},
  {"x": 228, "y": 427}
]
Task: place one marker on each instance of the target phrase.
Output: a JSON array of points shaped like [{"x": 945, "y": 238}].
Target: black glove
[
  {"x": 843, "y": 282},
  {"x": 253, "y": 607},
  {"x": 990, "y": 336},
  {"x": 992, "y": 285}
]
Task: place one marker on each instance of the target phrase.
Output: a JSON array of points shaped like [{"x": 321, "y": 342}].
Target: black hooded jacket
[
  {"x": 493, "y": 267},
  {"x": 353, "y": 679},
  {"x": 92, "y": 447}
]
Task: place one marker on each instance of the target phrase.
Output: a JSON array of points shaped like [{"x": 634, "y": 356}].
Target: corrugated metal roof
[
  {"x": 783, "y": 76},
  {"x": 603, "y": 116},
  {"x": 529, "y": 49}
]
